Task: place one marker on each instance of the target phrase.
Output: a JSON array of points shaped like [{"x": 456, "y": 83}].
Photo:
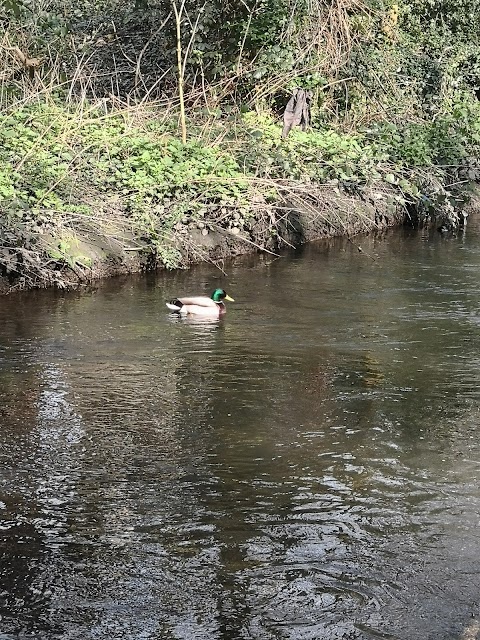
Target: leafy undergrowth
[{"x": 70, "y": 175}]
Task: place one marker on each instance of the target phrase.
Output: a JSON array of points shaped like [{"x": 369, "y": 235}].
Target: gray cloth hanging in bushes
[{"x": 297, "y": 111}]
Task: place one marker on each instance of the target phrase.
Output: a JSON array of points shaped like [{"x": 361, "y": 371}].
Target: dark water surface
[{"x": 307, "y": 468}]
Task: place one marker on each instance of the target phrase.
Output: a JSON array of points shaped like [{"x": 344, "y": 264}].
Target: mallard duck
[{"x": 201, "y": 305}]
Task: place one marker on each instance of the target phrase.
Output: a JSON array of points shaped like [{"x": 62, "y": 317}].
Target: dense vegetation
[{"x": 135, "y": 122}]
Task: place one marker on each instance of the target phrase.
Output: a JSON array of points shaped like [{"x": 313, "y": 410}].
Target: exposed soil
[{"x": 290, "y": 224}]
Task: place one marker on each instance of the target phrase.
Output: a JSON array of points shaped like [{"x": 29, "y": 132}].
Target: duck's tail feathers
[{"x": 175, "y": 305}]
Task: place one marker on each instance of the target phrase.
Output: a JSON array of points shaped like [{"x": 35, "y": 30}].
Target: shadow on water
[{"x": 304, "y": 468}]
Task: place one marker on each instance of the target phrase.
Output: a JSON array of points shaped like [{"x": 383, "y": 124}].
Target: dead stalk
[
  {"x": 138, "y": 74},
  {"x": 180, "y": 67},
  {"x": 247, "y": 29}
]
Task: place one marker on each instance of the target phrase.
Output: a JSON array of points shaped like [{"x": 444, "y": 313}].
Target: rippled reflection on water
[{"x": 306, "y": 468}]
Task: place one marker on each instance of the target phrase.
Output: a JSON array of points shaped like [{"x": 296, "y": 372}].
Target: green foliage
[
  {"x": 52, "y": 161},
  {"x": 447, "y": 141},
  {"x": 32, "y": 159},
  {"x": 42, "y": 145},
  {"x": 226, "y": 28},
  {"x": 321, "y": 156},
  {"x": 458, "y": 18},
  {"x": 44, "y": 21},
  {"x": 410, "y": 59}
]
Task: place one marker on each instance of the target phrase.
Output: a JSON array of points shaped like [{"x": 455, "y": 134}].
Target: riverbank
[
  {"x": 92, "y": 253},
  {"x": 88, "y": 192},
  {"x": 136, "y": 136}
]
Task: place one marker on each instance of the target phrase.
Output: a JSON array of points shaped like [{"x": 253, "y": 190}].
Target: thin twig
[{"x": 140, "y": 55}]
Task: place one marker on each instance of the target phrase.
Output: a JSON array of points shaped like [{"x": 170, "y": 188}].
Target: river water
[{"x": 307, "y": 468}]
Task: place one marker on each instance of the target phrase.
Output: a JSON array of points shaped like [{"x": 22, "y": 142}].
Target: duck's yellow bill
[{"x": 229, "y": 299}]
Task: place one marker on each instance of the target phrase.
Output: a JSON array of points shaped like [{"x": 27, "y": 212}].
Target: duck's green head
[{"x": 219, "y": 295}]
